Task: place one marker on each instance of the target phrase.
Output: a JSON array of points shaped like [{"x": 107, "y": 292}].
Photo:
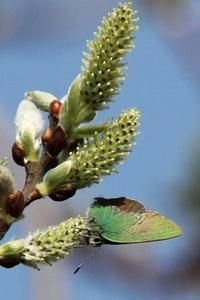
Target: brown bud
[
  {"x": 47, "y": 134},
  {"x": 55, "y": 107},
  {"x": 63, "y": 194},
  {"x": 8, "y": 262},
  {"x": 18, "y": 153},
  {"x": 57, "y": 141},
  {"x": 15, "y": 204}
]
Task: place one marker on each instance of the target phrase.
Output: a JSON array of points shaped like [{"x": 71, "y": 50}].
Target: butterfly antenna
[{"x": 85, "y": 261}]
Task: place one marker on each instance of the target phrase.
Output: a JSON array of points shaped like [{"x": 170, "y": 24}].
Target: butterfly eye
[{"x": 95, "y": 241}]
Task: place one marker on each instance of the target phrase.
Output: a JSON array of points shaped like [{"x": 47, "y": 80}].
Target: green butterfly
[{"x": 123, "y": 221}]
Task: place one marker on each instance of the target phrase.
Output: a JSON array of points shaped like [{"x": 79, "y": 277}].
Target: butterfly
[{"x": 126, "y": 221}]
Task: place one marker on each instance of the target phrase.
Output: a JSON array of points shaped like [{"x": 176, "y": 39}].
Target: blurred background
[{"x": 41, "y": 44}]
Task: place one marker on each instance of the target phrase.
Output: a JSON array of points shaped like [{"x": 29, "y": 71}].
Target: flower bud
[
  {"x": 47, "y": 134},
  {"x": 8, "y": 262},
  {"x": 55, "y": 179},
  {"x": 18, "y": 153},
  {"x": 55, "y": 108},
  {"x": 15, "y": 204},
  {"x": 7, "y": 184},
  {"x": 64, "y": 193},
  {"x": 41, "y": 99},
  {"x": 57, "y": 141},
  {"x": 29, "y": 124}
]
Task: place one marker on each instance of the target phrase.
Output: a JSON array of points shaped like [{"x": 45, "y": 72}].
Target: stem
[{"x": 34, "y": 174}]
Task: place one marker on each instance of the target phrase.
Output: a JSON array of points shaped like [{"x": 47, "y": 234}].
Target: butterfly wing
[
  {"x": 122, "y": 220},
  {"x": 151, "y": 226},
  {"x": 110, "y": 214}
]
